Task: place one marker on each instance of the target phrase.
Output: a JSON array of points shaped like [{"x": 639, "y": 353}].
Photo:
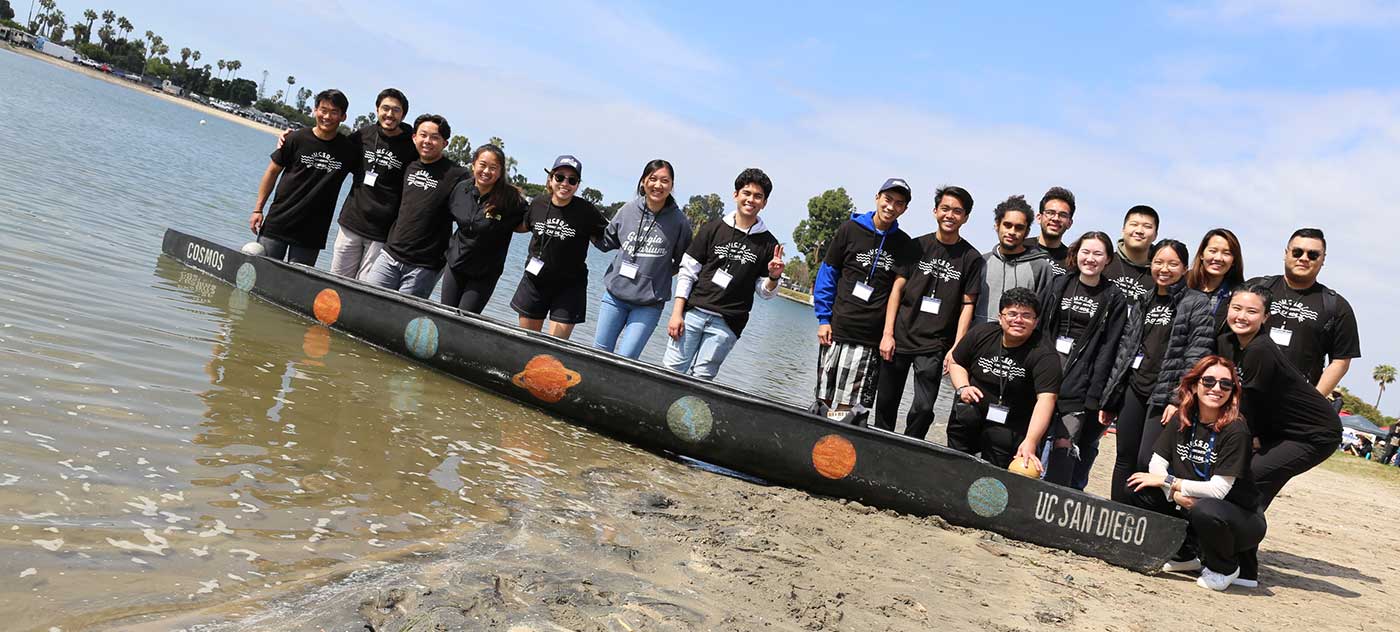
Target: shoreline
[{"x": 142, "y": 88}]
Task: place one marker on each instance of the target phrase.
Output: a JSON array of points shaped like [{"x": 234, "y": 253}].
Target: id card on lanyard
[
  {"x": 629, "y": 269},
  {"x": 864, "y": 289}
]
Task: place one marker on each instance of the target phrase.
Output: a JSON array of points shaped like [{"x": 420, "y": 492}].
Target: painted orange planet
[
  {"x": 834, "y": 456},
  {"x": 546, "y": 378},
  {"x": 327, "y": 306}
]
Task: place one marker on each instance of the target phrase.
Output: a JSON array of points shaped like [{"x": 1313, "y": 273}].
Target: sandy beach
[{"x": 142, "y": 88}]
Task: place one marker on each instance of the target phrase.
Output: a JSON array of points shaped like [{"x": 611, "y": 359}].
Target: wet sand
[
  {"x": 741, "y": 556},
  {"x": 142, "y": 88}
]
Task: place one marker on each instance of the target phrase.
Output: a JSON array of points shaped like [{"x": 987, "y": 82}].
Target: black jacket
[
  {"x": 1087, "y": 369},
  {"x": 1192, "y": 338}
]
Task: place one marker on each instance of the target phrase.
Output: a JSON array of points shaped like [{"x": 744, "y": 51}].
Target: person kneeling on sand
[
  {"x": 1006, "y": 383},
  {"x": 1200, "y": 471}
]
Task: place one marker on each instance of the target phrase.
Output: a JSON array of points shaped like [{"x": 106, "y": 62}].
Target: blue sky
[{"x": 1258, "y": 115}]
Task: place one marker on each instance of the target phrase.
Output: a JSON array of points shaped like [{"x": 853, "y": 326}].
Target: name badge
[
  {"x": 722, "y": 278},
  {"x": 863, "y": 291},
  {"x": 370, "y": 178},
  {"x": 534, "y": 265},
  {"x": 1280, "y": 336},
  {"x": 1137, "y": 361},
  {"x": 628, "y": 270},
  {"x": 1064, "y": 343},
  {"x": 930, "y": 305},
  {"x": 997, "y": 414}
]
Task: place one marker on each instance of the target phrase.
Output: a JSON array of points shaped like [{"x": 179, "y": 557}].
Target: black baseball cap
[
  {"x": 567, "y": 161},
  {"x": 897, "y": 183}
]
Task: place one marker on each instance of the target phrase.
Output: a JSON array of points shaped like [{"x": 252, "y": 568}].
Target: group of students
[
  {"x": 1047, "y": 344},
  {"x": 396, "y": 230}
]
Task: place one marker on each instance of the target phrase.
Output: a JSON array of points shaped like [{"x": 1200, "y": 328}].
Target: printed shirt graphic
[
  {"x": 419, "y": 236},
  {"x": 312, "y": 173},
  {"x": 560, "y": 237},
  {"x": 1024, "y": 371},
  {"x": 1135, "y": 282},
  {"x": 943, "y": 272},
  {"x": 370, "y": 211},
  {"x": 1078, "y": 308},
  {"x": 1191, "y": 455},
  {"x": 1304, "y": 314},
  {"x": 1156, "y": 335},
  {"x": 852, "y": 253},
  {"x": 1058, "y": 254},
  {"x": 719, "y": 246}
]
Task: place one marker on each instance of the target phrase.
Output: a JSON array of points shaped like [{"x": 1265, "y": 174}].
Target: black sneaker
[{"x": 1249, "y": 569}]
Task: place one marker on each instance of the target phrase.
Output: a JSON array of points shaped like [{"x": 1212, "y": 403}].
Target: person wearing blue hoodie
[
  {"x": 850, "y": 296},
  {"x": 651, "y": 234}
]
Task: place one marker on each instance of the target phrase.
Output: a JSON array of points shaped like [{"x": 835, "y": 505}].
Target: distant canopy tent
[{"x": 1362, "y": 424}]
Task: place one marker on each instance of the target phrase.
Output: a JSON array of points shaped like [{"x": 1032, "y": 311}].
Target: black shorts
[{"x": 565, "y": 303}]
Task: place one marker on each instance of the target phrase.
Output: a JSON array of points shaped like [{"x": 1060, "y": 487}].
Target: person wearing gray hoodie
[
  {"x": 651, "y": 234},
  {"x": 1010, "y": 263}
]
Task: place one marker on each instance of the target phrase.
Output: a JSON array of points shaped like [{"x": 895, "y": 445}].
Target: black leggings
[
  {"x": 1138, "y": 425},
  {"x": 928, "y": 375},
  {"x": 1278, "y": 461},
  {"x": 469, "y": 294},
  {"x": 1219, "y": 530}
]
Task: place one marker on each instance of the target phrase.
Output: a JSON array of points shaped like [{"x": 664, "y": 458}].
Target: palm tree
[
  {"x": 1384, "y": 374},
  {"x": 185, "y": 56},
  {"x": 91, "y": 17},
  {"x": 291, "y": 81},
  {"x": 59, "y": 22},
  {"x": 108, "y": 17},
  {"x": 233, "y": 67},
  {"x": 125, "y": 26},
  {"x": 194, "y": 57},
  {"x": 221, "y": 65}
]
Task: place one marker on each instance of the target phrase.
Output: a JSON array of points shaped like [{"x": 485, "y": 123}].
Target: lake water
[{"x": 168, "y": 445}]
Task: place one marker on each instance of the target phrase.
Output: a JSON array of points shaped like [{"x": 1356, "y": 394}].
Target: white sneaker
[
  {"x": 1216, "y": 581},
  {"x": 1245, "y": 583},
  {"x": 1181, "y": 566}
]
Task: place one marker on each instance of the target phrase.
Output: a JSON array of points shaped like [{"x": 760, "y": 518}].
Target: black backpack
[{"x": 1330, "y": 317}]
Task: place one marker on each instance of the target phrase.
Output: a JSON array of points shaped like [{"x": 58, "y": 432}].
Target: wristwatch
[{"x": 1168, "y": 481}]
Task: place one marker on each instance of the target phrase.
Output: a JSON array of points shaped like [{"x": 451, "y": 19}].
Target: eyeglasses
[
  {"x": 1055, "y": 214},
  {"x": 1209, "y": 382},
  {"x": 1018, "y": 315},
  {"x": 561, "y": 179},
  {"x": 1313, "y": 255}
]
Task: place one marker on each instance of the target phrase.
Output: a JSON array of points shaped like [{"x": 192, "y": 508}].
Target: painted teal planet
[
  {"x": 421, "y": 337},
  {"x": 247, "y": 277},
  {"x": 987, "y": 497},
  {"x": 690, "y": 419}
]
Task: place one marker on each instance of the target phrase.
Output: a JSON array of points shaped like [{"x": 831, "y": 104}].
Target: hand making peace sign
[{"x": 775, "y": 267}]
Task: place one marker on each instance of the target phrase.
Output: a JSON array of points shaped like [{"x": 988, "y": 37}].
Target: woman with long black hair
[
  {"x": 1217, "y": 271},
  {"x": 487, "y": 214},
  {"x": 1295, "y": 428},
  {"x": 1200, "y": 471},
  {"x": 1162, "y": 338},
  {"x": 1083, "y": 314}
]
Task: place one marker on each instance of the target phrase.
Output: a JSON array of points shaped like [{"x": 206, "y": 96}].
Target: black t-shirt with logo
[
  {"x": 860, "y": 255},
  {"x": 1199, "y": 452},
  {"x": 1078, "y": 307},
  {"x": 1058, "y": 255},
  {"x": 419, "y": 236},
  {"x": 1135, "y": 282},
  {"x": 1278, "y": 402},
  {"x": 1010, "y": 377},
  {"x": 312, "y": 172},
  {"x": 560, "y": 236},
  {"x": 743, "y": 255},
  {"x": 943, "y": 272},
  {"x": 1303, "y": 313},
  {"x": 1156, "y": 335},
  {"x": 369, "y": 210}
]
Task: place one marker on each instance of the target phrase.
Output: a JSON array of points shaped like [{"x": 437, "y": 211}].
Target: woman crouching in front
[{"x": 1200, "y": 471}]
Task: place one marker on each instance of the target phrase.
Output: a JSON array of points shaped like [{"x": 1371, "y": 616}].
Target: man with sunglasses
[
  {"x": 1056, "y": 217},
  {"x": 1313, "y": 325}
]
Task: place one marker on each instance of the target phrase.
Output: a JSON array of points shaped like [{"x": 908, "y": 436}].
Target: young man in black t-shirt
[
  {"x": 369, "y": 211},
  {"x": 307, "y": 170},
  {"x": 415, "y": 251},
  {"x": 1007, "y": 381},
  {"x": 1056, "y": 217},
  {"x": 1313, "y": 325},
  {"x": 729, "y": 261},
  {"x": 1131, "y": 270},
  {"x": 850, "y": 298},
  {"x": 932, "y": 306}
]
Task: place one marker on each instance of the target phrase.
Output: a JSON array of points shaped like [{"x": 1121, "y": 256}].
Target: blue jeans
[
  {"x": 625, "y": 327},
  {"x": 704, "y": 344},
  {"x": 391, "y": 273}
]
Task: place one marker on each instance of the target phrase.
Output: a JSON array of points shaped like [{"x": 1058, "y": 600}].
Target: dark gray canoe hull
[{"x": 663, "y": 411}]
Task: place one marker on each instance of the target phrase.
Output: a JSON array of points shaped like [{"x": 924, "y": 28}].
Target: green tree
[
  {"x": 291, "y": 81},
  {"x": 6, "y": 11},
  {"x": 512, "y": 165},
  {"x": 825, "y": 213},
  {"x": 81, "y": 35},
  {"x": 459, "y": 148},
  {"x": 303, "y": 93},
  {"x": 58, "y": 23},
  {"x": 125, "y": 26},
  {"x": 532, "y": 190},
  {"x": 91, "y": 17},
  {"x": 798, "y": 272},
  {"x": 222, "y": 66},
  {"x": 185, "y": 56},
  {"x": 233, "y": 67},
  {"x": 108, "y": 17},
  {"x": 703, "y": 208},
  {"x": 610, "y": 211},
  {"x": 1383, "y": 375},
  {"x": 365, "y": 120},
  {"x": 594, "y": 196}
]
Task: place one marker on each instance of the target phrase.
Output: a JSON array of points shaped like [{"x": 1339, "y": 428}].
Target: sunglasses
[
  {"x": 1313, "y": 255},
  {"x": 1226, "y": 384},
  {"x": 561, "y": 179}
]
